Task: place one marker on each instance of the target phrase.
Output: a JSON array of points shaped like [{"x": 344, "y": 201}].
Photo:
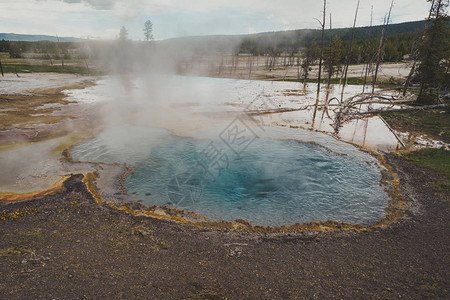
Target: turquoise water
[{"x": 272, "y": 182}]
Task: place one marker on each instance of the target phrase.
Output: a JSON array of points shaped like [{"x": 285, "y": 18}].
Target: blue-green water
[{"x": 271, "y": 182}]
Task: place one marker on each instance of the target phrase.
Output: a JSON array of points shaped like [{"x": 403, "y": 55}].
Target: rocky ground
[{"x": 68, "y": 246}]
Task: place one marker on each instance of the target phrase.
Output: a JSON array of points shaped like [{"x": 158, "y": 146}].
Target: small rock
[
  {"x": 145, "y": 232},
  {"x": 236, "y": 252},
  {"x": 24, "y": 261}
]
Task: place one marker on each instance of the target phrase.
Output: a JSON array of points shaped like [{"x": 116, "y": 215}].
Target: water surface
[{"x": 272, "y": 181}]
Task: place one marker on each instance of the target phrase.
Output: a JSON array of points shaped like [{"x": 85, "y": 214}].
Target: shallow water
[
  {"x": 263, "y": 178},
  {"x": 183, "y": 104}
]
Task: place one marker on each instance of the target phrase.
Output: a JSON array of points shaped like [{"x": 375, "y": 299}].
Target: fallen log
[{"x": 411, "y": 108}]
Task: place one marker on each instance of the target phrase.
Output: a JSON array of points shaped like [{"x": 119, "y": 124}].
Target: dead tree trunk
[
  {"x": 322, "y": 24},
  {"x": 1, "y": 69},
  {"x": 330, "y": 69},
  {"x": 62, "y": 55},
  {"x": 321, "y": 50},
  {"x": 221, "y": 64},
  {"x": 380, "y": 48},
  {"x": 368, "y": 66},
  {"x": 250, "y": 64},
  {"x": 349, "y": 54},
  {"x": 330, "y": 63},
  {"x": 87, "y": 67},
  {"x": 273, "y": 61}
]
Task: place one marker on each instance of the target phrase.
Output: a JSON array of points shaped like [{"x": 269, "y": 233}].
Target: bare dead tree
[
  {"x": 87, "y": 66},
  {"x": 412, "y": 108},
  {"x": 322, "y": 24},
  {"x": 349, "y": 54},
  {"x": 62, "y": 55},
  {"x": 1, "y": 69},
  {"x": 330, "y": 70},
  {"x": 221, "y": 64},
  {"x": 250, "y": 65},
  {"x": 417, "y": 54},
  {"x": 50, "y": 57},
  {"x": 330, "y": 65},
  {"x": 368, "y": 66},
  {"x": 274, "y": 60},
  {"x": 350, "y": 108},
  {"x": 381, "y": 47}
]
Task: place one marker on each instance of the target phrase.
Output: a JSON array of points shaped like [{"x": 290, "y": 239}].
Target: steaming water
[
  {"x": 268, "y": 181},
  {"x": 201, "y": 95},
  {"x": 266, "y": 177}
]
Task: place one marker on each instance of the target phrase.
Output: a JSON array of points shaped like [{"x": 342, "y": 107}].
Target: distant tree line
[
  {"x": 396, "y": 48},
  {"x": 52, "y": 50}
]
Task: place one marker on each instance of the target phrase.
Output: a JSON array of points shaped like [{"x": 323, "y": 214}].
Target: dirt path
[{"x": 67, "y": 246}]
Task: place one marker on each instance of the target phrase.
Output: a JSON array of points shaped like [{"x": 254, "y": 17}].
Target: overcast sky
[{"x": 175, "y": 18}]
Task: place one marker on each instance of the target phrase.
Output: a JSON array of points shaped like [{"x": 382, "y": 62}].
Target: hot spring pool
[{"x": 270, "y": 182}]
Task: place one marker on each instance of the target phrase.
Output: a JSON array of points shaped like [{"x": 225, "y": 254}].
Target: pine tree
[
  {"x": 123, "y": 35},
  {"x": 434, "y": 54},
  {"x": 148, "y": 30},
  {"x": 335, "y": 56}
]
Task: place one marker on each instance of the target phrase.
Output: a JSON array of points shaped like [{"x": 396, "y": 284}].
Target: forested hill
[
  {"x": 304, "y": 37},
  {"x": 35, "y": 38},
  {"x": 291, "y": 40},
  {"x": 375, "y": 31}
]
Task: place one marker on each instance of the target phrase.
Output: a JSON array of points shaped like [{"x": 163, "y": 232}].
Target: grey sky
[{"x": 173, "y": 18}]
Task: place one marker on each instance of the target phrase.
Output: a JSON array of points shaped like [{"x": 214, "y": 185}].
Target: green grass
[
  {"x": 434, "y": 123},
  {"x": 436, "y": 159},
  {"x": 30, "y": 68}
]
